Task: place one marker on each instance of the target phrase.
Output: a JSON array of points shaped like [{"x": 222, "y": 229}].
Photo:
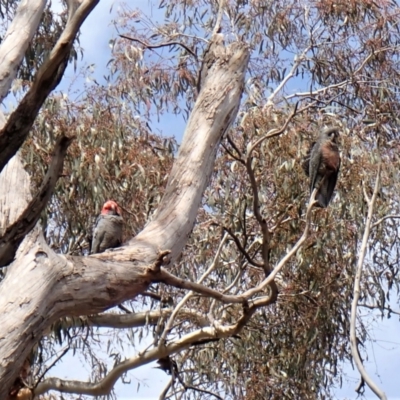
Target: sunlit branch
[
  {"x": 165, "y": 390},
  {"x": 297, "y": 61},
  {"x": 167, "y": 278},
  {"x": 356, "y": 294},
  {"x": 188, "y": 295}
]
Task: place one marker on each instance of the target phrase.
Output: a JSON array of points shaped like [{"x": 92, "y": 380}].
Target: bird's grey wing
[
  {"x": 98, "y": 235},
  {"x": 315, "y": 161},
  {"x": 118, "y": 223}
]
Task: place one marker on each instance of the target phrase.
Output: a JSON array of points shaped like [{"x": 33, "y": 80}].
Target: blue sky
[{"x": 383, "y": 355}]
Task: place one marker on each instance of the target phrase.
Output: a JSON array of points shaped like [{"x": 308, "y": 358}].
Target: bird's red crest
[{"x": 111, "y": 207}]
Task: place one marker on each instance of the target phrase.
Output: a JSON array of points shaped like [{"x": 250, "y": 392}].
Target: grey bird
[
  {"x": 323, "y": 165},
  {"x": 107, "y": 231}
]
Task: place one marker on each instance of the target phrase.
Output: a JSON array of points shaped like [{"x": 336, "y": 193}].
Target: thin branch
[
  {"x": 343, "y": 83},
  {"x": 165, "y": 390},
  {"x": 165, "y": 277},
  {"x": 16, "y": 232},
  {"x": 169, "y": 279},
  {"x": 63, "y": 353},
  {"x": 356, "y": 293},
  {"x": 188, "y": 295},
  {"x": 394, "y": 216},
  {"x": 379, "y": 308},
  {"x": 318, "y": 91},
  {"x": 233, "y": 144},
  {"x": 157, "y": 46},
  {"x": 274, "y": 132},
  {"x": 232, "y": 155},
  {"x": 210, "y": 313},
  {"x": 241, "y": 248}
]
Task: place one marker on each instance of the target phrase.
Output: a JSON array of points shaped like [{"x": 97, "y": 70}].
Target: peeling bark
[{"x": 41, "y": 286}]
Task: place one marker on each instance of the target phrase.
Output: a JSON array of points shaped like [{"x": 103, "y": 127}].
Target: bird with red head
[
  {"x": 110, "y": 207},
  {"x": 107, "y": 231}
]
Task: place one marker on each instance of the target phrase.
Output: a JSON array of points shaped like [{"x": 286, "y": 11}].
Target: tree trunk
[{"x": 41, "y": 286}]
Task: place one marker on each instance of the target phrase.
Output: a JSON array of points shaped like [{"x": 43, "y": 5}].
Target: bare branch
[
  {"x": 59, "y": 357},
  {"x": 298, "y": 59},
  {"x": 157, "y": 46},
  {"x": 356, "y": 293},
  {"x": 394, "y": 216},
  {"x": 16, "y": 232},
  {"x": 172, "y": 280},
  {"x": 47, "y": 78},
  {"x": 373, "y": 307}
]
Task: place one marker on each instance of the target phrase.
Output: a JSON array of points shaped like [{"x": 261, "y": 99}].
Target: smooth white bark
[{"x": 16, "y": 40}]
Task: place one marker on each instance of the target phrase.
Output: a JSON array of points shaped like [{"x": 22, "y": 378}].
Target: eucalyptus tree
[{"x": 242, "y": 287}]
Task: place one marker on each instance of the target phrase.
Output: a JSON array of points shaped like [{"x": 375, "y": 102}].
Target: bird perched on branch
[
  {"x": 107, "y": 231},
  {"x": 322, "y": 165},
  {"x": 168, "y": 365}
]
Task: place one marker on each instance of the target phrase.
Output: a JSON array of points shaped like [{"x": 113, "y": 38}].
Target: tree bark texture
[
  {"x": 41, "y": 286},
  {"x": 16, "y": 40}
]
